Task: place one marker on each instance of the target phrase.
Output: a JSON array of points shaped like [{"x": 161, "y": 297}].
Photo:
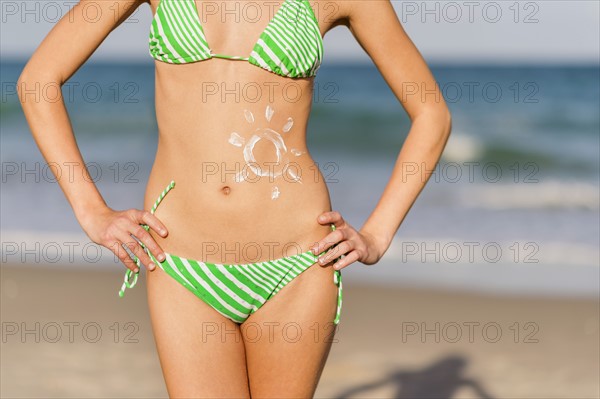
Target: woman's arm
[
  {"x": 377, "y": 29},
  {"x": 62, "y": 52}
]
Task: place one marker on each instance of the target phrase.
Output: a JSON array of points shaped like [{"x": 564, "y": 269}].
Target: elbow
[
  {"x": 446, "y": 122},
  {"x": 32, "y": 83},
  {"x": 439, "y": 119},
  {"x": 25, "y": 83},
  {"x": 21, "y": 86},
  {"x": 443, "y": 120}
]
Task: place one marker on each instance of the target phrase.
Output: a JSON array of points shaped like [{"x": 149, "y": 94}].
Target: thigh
[
  {"x": 201, "y": 352},
  {"x": 289, "y": 338}
]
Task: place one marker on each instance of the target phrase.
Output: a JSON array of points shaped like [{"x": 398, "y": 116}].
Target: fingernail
[
  {"x": 161, "y": 257},
  {"x": 136, "y": 270},
  {"x": 151, "y": 266},
  {"x": 163, "y": 232}
]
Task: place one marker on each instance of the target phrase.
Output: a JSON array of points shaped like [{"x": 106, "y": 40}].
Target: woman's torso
[{"x": 220, "y": 119}]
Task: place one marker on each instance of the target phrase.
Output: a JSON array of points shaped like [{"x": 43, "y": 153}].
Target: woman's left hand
[{"x": 352, "y": 244}]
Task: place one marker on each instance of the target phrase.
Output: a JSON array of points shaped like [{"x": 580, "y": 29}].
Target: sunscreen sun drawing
[{"x": 281, "y": 166}]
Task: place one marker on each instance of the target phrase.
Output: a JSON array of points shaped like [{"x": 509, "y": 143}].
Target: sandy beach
[{"x": 66, "y": 333}]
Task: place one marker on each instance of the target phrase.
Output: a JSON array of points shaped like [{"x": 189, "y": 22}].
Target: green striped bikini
[
  {"x": 235, "y": 291},
  {"x": 291, "y": 45}
]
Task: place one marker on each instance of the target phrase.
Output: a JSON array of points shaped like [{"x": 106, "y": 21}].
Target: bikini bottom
[{"x": 234, "y": 290}]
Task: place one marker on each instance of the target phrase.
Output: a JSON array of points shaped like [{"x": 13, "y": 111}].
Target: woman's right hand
[{"x": 111, "y": 229}]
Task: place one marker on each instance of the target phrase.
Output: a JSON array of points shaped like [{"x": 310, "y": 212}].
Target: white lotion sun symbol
[{"x": 281, "y": 167}]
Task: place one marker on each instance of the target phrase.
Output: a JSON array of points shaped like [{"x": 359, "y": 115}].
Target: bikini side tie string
[
  {"x": 127, "y": 280},
  {"x": 337, "y": 279}
]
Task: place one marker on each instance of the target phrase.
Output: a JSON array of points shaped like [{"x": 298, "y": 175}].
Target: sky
[{"x": 488, "y": 32}]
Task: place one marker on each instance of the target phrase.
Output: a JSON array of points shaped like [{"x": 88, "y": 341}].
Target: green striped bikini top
[{"x": 290, "y": 46}]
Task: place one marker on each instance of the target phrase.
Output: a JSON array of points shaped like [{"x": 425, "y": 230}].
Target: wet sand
[{"x": 391, "y": 343}]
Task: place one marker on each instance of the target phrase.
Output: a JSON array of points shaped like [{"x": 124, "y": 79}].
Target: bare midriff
[{"x": 212, "y": 115}]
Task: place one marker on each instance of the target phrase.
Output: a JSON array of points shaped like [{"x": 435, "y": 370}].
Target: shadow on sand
[{"x": 441, "y": 380}]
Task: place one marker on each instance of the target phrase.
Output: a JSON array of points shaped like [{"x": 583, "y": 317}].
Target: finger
[
  {"x": 137, "y": 250},
  {"x": 328, "y": 241},
  {"x": 332, "y": 217},
  {"x": 123, "y": 256},
  {"x": 346, "y": 260},
  {"x": 143, "y": 236},
  {"x": 341, "y": 249},
  {"x": 153, "y": 222}
]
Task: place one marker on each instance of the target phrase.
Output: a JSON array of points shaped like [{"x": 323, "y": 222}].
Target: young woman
[{"x": 244, "y": 252}]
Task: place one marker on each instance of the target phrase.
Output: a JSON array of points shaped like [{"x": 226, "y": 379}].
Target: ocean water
[{"x": 513, "y": 207}]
